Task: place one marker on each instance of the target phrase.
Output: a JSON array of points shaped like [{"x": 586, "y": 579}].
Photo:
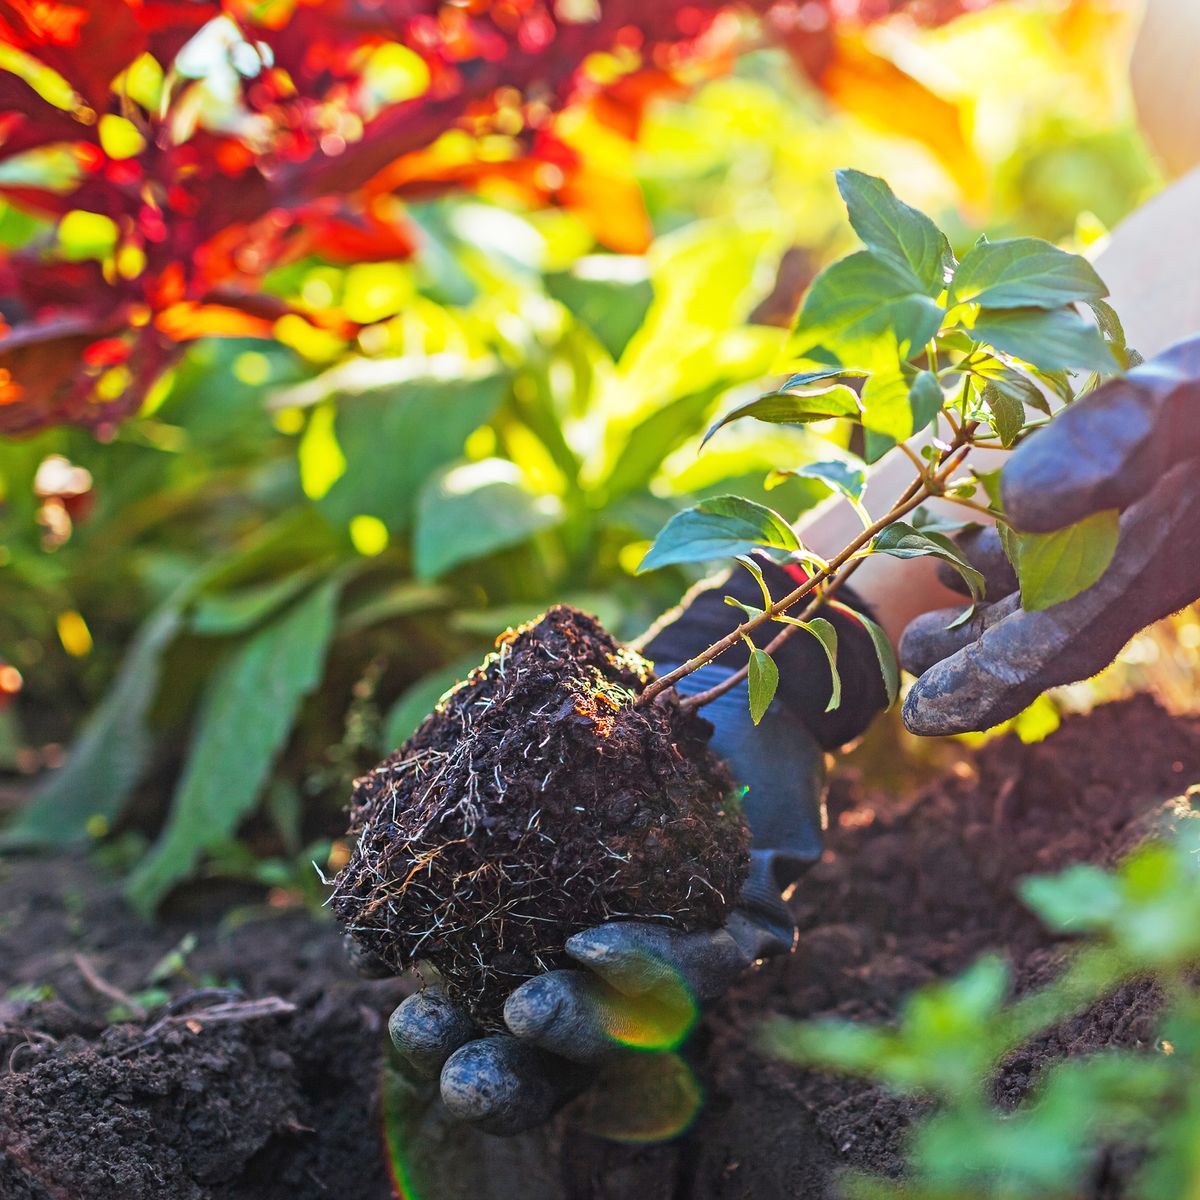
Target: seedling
[
  {"x": 899, "y": 339},
  {"x": 1137, "y": 922},
  {"x": 549, "y": 793}
]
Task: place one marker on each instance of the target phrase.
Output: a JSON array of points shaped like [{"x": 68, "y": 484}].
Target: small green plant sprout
[
  {"x": 913, "y": 346},
  {"x": 1139, "y": 922}
]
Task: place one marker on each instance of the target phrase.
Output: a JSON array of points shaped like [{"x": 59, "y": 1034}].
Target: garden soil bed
[{"x": 287, "y": 1104}]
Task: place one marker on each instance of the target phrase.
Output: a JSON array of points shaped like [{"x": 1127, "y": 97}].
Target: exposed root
[{"x": 538, "y": 800}]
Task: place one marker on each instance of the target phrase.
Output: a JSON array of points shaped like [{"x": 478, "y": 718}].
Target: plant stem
[
  {"x": 793, "y": 597},
  {"x": 913, "y": 458},
  {"x": 702, "y": 698},
  {"x": 974, "y": 505},
  {"x": 916, "y": 492}
]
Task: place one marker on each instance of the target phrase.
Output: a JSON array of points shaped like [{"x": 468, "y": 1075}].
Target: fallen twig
[
  {"x": 109, "y": 991},
  {"x": 237, "y": 1010}
]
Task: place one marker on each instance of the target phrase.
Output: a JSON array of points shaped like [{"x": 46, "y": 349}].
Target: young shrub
[
  {"x": 902, "y": 339},
  {"x": 1138, "y": 922}
]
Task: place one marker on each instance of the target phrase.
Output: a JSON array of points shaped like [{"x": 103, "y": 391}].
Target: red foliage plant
[{"x": 178, "y": 150}]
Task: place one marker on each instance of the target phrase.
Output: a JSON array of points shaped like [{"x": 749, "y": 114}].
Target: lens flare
[{"x": 641, "y": 1098}]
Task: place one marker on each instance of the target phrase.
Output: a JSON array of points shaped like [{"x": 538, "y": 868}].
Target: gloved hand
[
  {"x": 1134, "y": 445},
  {"x": 640, "y": 984}
]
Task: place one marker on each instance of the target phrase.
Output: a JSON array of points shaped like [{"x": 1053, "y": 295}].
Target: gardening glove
[
  {"x": 1133, "y": 445},
  {"x": 641, "y": 985}
]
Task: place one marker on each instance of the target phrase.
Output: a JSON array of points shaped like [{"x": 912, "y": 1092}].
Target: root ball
[{"x": 534, "y": 802}]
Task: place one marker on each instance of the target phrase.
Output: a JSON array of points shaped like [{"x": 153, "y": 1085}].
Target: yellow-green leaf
[
  {"x": 763, "y": 680},
  {"x": 1054, "y": 567}
]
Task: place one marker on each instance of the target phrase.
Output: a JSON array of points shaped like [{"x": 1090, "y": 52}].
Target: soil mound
[
  {"x": 534, "y": 802},
  {"x": 913, "y": 888},
  {"x": 217, "y": 1103}
]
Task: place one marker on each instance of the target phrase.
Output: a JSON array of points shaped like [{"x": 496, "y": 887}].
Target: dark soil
[
  {"x": 288, "y": 1106},
  {"x": 537, "y": 801},
  {"x": 255, "y": 1108}
]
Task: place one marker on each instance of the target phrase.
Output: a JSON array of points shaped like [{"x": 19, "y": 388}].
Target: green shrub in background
[
  {"x": 316, "y": 570},
  {"x": 513, "y": 429},
  {"x": 1141, "y": 920}
]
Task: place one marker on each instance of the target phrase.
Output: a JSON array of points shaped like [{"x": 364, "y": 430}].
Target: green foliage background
[{"x": 295, "y": 549}]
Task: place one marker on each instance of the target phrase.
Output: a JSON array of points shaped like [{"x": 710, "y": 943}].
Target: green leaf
[
  {"x": 707, "y": 278},
  {"x": 827, "y": 1042},
  {"x": 1110, "y": 325},
  {"x": 806, "y": 381},
  {"x": 1080, "y": 898},
  {"x": 901, "y": 540},
  {"x": 1008, "y": 413},
  {"x": 1024, "y": 273},
  {"x": 636, "y": 462},
  {"x": 795, "y": 407},
  {"x": 752, "y": 613},
  {"x": 843, "y": 477},
  {"x": 1014, "y": 383},
  {"x": 1010, "y": 539},
  {"x": 419, "y": 701},
  {"x": 248, "y": 712},
  {"x": 888, "y": 667},
  {"x": 394, "y": 430},
  {"x": 719, "y": 527},
  {"x": 1054, "y": 567},
  {"x": 868, "y": 310},
  {"x": 111, "y": 754},
  {"x": 471, "y": 510},
  {"x": 925, "y": 398},
  {"x": 876, "y": 445},
  {"x": 756, "y": 571},
  {"x": 990, "y": 482},
  {"x": 222, "y": 614},
  {"x": 396, "y": 600},
  {"x": 1061, "y": 340},
  {"x": 893, "y": 229},
  {"x": 826, "y": 634},
  {"x": 887, "y": 409},
  {"x": 763, "y": 679},
  {"x": 610, "y": 293}
]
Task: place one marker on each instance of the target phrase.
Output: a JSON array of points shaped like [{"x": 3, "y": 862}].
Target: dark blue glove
[
  {"x": 642, "y": 984},
  {"x": 1132, "y": 445}
]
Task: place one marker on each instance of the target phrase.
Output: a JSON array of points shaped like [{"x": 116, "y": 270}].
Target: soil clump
[
  {"x": 290, "y": 1106},
  {"x": 535, "y": 801}
]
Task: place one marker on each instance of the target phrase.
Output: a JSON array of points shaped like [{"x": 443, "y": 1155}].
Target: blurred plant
[
  {"x": 173, "y": 154},
  {"x": 506, "y": 369},
  {"x": 982, "y": 347},
  {"x": 1141, "y": 922},
  {"x": 364, "y": 549}
]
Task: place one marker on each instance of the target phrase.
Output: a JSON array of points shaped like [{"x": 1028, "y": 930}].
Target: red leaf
[{"x": 45, "y": 381}]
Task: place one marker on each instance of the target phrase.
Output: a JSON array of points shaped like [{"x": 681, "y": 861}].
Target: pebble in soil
[{"x": 535, "y": 801}]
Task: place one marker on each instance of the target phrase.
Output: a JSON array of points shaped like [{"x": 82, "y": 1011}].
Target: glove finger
[
  {"x": 981, "y": 547},
  {"x": 987, "y": 682},
  {"x": 426, "y": 1029},
  {"x": 1155, "y": 571},
  {"x": 632, "y": 956},
  {"x": 933, "y": 636},
  {"x": 505, "y": 1086},
  {"x": 1109, "y": 448},
  {"x": 565, "y": 1012},
  {"x": 637, "y": 958},
  {"x": 761, "y": 925}
]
